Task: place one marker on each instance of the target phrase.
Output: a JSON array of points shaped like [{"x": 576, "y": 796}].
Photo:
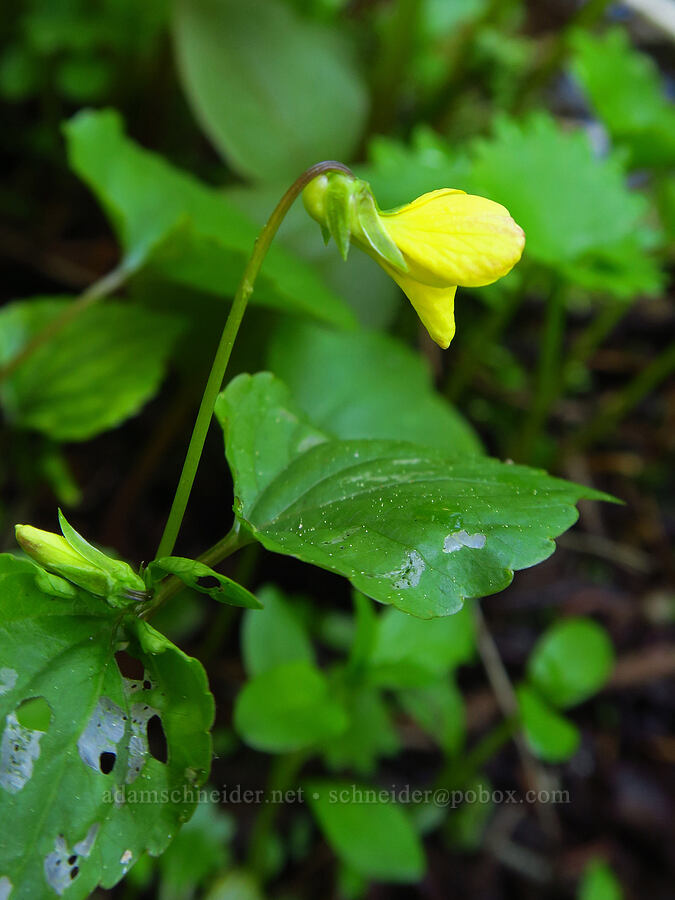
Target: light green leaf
[
  {"x": 438, "y": 708},
  {"x": 628, "y": 94},
  {"x": 599, "y": 883},
  {"x": 107, "y": 787},
  {"x": 572, "y": 205},
  {"x": 406, "y": 524},
  {"x": 399, "y": 173},
  {"x": 274, "y": 636},
  {"x": 273, "y": 92},
  {"x": 415, "y": 652},
  {"x": 287, "y": 708},
  {"x": 201, "y": 577},
  {"x": 367, "y": 385},
  {"x": 552, "y": 737},
  {"x": 370, "y": 735},
  {"x": 571, "y": 661},
  {"x": 369, "y": 834},
  {"x": 98, "y": 370},
  {"x": 236, "y": 885},
  {"x": 183, "y": 230}
]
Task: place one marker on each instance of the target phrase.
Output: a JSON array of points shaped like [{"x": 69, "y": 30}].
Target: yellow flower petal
[
  {"x": 435, "y": 306},
  {"x": 448, "y": 237}
]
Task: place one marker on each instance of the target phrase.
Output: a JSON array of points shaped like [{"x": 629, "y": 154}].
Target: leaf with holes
[
  {"x": 204, "y": 579},
  {"x": 111, "y": 758},
  {"x": 406, "y": 524}
]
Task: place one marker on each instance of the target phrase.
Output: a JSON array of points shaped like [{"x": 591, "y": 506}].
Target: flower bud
[
  {"x": 74, "y": 559},
  {"x": 345, "y": 208}
]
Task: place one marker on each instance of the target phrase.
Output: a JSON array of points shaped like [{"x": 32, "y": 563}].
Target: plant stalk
[
  {"x": 618, "y": 407},
  {"x": 224, "y": 351},
  {"x": 548, "y": 373}
]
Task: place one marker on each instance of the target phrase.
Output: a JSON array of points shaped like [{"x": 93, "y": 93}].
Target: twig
[{"x": 500, "y": 682}]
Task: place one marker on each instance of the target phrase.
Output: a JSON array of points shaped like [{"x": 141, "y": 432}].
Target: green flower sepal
[
  {"x": 345, "y": 208},
  {"x": 444, "y": 239},
  {"x": 71, "y": 557}
]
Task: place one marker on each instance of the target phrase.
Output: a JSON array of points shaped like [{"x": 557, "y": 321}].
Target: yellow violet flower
[{"x": 442, "y": 240}]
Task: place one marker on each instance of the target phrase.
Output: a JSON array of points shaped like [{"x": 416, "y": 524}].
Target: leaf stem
[
  {"x": 626, "y": 399},
  {"x": 282, "y": 776},
  {"x": 222, "y": 357},
  {"x": 548, "y": 373}
]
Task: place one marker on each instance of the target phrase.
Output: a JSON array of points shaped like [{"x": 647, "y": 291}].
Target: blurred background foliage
[{"x": 143, "y": 146}]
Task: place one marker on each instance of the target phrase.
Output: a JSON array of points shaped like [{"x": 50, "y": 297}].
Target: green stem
[
  {"x": 95, "y": 292},
  {"x": 392, "y": 64},
  {"x": 222, "y": 358},
  {"x": 486, "y": 335},
  {"x": 548, "y": 374},
  {"x": 456, "y": 774},
  {"x": 626, "y": 399},
  {"x": 283, "y": 774},
  {"x": 592, "y": 336}
]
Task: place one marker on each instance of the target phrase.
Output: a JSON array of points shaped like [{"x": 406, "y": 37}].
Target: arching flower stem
[{"x": 224, "y": 351}]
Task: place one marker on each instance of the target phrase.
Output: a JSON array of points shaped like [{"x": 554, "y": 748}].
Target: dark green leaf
[
  {"x": 366, "y": 385},
  {"x": 370, "y": 834},
  {"x": 201, "y": 578},
  {"x": 107, "y": 786},
  {"x": 287, "y": 708},
  {"x": 571, "y": 661},
  {"x": 98, "y": 370},
  {"x": 274, "y": 93},
  {"x": 406, "y": 524}
]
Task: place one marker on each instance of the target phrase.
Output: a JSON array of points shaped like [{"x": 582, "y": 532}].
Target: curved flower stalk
[{"x": 442, "y": 240}]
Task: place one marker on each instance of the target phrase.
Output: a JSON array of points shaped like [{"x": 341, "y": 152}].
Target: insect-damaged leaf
[
  {"x": 114, "y": 765},
  {"x": 406, "y": 524},
  {"x": 204, "y": 579}
]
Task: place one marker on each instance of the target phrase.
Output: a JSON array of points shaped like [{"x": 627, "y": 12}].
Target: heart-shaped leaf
[{"x": 404, "y": 523}]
